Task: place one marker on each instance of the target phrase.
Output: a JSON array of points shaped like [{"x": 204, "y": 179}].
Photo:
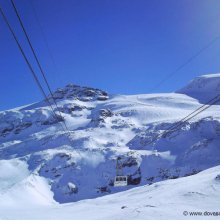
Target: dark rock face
[
  {"x": 98, "y": 118},
  {"x": 135, "y": 178},
  {"x": 104, "y": 113},
  {"x": 52, "y": 120},
  {"x": 89, "y": 92},
  {"x": 22, "y": 126},
  {"x": 193, "y": 172},
  {"x": 16, "y": 128},
  {"x": 6, "y": 129},
  {"x": 103, "y": 189},
  {"x": 217, "y": 178},
  {"x": 70, "y": 108},
  {"x": 102, "y": 98},
  {"x": 131, "y": 161},
  {"x": 84, "y": 94}
]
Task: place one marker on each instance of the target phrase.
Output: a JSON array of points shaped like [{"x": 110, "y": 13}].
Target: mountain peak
[{"x": 82, "y": 93}]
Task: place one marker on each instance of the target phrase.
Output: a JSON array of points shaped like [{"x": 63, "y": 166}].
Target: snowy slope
[
  {"x": 164, "y": 200},
  {"x": 81, "y": 164},
  {"x": 203, "y": 88},
  {"x": 19, "y": 188}
]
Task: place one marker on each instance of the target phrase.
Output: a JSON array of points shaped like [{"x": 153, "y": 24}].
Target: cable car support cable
[{"x": 37, "y": 60}]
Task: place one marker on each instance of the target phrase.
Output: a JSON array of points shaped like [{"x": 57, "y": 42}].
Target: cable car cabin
[{"x": 121, "y": 181}]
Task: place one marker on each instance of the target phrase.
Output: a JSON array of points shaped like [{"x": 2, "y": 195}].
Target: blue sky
[{"x": 121, "y": 46}]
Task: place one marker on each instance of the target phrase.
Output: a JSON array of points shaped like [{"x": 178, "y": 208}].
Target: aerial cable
[
  {"x": 35, "y": 76},
  {"x": 186, "y": 63},
  {"x": 43, "y": 35},
  {"x": 27, "y": 61},
  {"x": 195, "y": 114},
  {"x": 209, "y": 103},
  {"x": 179, "y": 124},
  {"x": 32, "y": 71},
  {"x": 196, "y": 111},
  {"x": 37, "y": 60}
]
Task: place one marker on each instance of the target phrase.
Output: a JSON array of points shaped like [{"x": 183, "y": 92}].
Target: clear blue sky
[{"x": 121, "y": 46}]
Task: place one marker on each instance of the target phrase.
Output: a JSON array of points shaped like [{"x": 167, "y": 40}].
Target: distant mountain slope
[
  {"x": 80, "y": 164},
  {"x": 203, "y": 88}
]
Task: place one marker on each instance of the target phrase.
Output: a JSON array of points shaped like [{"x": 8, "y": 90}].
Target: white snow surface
[
  {"x": 203, "y": 87},
  {"x": 162, "y": 201},
  {"x": 42, "y": 165}
]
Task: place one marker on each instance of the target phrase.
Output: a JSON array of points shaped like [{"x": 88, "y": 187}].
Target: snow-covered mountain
[{"x": 36, "y": 152}]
